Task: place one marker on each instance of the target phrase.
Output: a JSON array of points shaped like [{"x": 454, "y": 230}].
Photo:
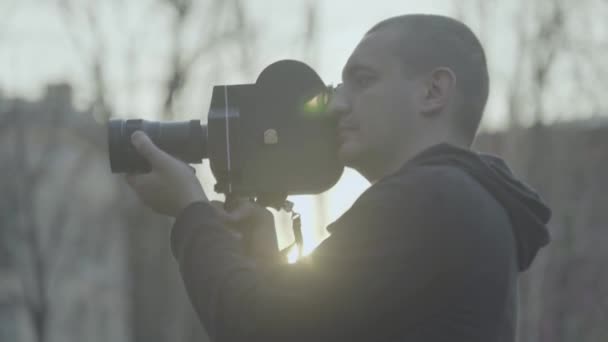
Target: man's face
[{"x": 376, "y": 105}]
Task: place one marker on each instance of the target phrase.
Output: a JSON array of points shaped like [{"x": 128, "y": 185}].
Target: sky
[{"x": 37, "y": 46}]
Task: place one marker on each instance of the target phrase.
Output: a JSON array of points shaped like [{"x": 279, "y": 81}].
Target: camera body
[{"x": 265, "y": 140}]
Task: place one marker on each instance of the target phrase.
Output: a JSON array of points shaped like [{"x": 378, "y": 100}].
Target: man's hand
[
  {"x": 170, "y": 186},
  {"x": 256, "y": 226}
]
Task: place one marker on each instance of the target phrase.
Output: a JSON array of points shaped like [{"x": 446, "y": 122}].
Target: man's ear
[{"x": 439, "y": 91}]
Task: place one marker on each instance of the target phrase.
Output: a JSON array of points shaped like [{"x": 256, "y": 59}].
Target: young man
[{"x": 430, "y": 252}]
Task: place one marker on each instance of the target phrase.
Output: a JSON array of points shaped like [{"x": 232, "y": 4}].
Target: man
[{"x": 430, "y": 252}]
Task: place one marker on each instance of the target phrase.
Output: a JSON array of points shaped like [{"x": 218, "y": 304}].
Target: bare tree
[
  {"x": 223, "y": 30},
  {"x": 219, "y": 25},
  {"x": 554, "y": 49},
  {"x": 229, "y": 25},
  {"x": 75, "y": 14}
]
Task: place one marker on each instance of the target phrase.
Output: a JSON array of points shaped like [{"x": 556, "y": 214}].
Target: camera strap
[
  {"x": 296, "y": 226},
  {"x": 228, "y": 156}
]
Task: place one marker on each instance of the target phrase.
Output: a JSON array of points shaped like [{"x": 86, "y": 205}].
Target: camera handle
[
  {"x": 296, "y": 222},
  {"x": 296, "y": 226}
]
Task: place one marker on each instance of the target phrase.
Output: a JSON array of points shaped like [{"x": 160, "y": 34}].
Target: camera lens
[{"x": 185, "y": 140}]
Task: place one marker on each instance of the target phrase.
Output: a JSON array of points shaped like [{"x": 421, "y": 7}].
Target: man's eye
[{"x": 363, "y": 80}]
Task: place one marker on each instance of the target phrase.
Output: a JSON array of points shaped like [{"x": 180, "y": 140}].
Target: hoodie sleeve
[{"x": 388, "y": 252}]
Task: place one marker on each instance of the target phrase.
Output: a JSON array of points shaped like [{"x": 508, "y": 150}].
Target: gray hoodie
[{"x": 430, "y": 253}]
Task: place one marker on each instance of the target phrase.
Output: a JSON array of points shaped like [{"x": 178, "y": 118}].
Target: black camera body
[{"x": 265, "y": 140}]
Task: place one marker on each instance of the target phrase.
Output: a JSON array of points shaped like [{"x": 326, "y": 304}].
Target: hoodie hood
[{"x": 528, "y": 213}]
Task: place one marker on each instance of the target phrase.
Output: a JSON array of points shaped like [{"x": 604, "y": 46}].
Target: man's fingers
[
  {"x": 226, "y": 216},
  {"x": 242, "y": 210},
  {"x": 137, "y": 181},
  {"x": 154, "y": 155}
]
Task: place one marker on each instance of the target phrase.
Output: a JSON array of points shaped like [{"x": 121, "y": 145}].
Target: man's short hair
[{"x": 431, "y": 41}]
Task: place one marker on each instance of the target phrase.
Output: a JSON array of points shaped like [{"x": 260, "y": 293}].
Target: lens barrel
[{"x": 185, "y": 140}]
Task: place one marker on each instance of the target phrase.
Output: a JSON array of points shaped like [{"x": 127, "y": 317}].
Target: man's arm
[
  {"x": 393, "y": 260},
  {"x": 254, "y": 226},
  {"x": 383, "y": 255}
]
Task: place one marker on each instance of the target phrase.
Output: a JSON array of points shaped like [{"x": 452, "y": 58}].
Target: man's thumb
[{"x": 155, "y": 156}]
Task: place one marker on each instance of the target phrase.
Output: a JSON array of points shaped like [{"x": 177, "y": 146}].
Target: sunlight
[
  {"x": 293, "y": 255},
  {"x": 315, "y": 219}
]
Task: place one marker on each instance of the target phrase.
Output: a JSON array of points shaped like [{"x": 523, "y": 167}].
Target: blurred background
[{"x": 81, "y": 260}]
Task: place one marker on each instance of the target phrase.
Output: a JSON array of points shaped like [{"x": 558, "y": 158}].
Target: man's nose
[{"x": 339, "y": 104}]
